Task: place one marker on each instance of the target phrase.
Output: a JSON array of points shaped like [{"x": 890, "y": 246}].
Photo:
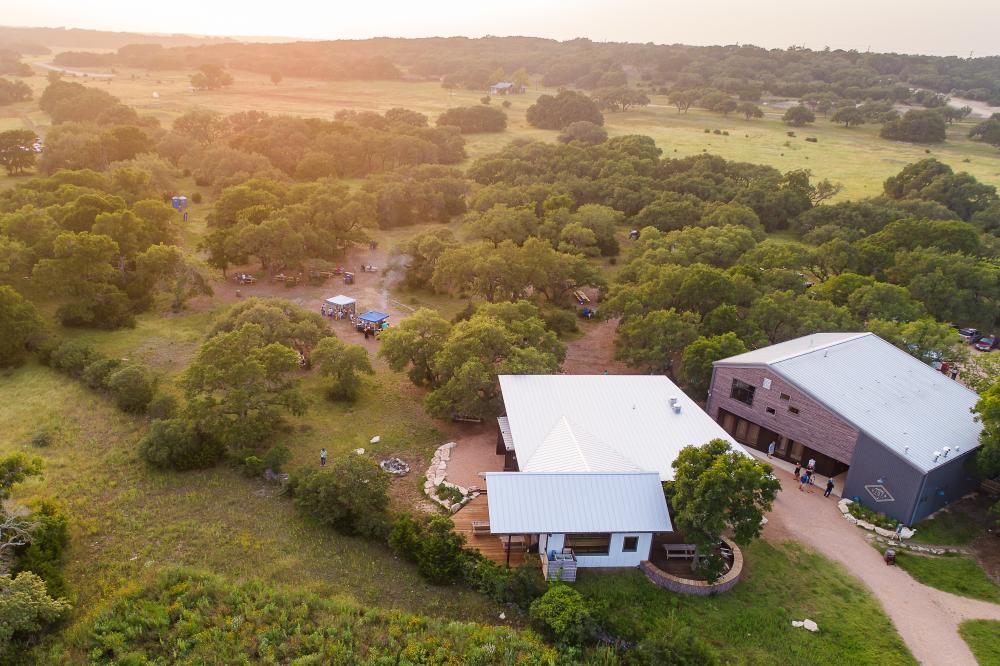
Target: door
[
  {"x": 797, "y": 452},
  {"x": 782, "y": 446},
  {"x": 727, "y": 422}
]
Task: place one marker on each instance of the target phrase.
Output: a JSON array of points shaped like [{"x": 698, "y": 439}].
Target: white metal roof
[
  {"x": 790, "y": 348},
  {"x": 340, "y": 299},
  {"x": 613, "y": 423},
  {"x": 508, "y": 443},
  {"x": 566, "y": 502},
  {"x": 895, "y": 398}
]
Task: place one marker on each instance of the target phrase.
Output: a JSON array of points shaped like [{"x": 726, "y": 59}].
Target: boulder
[
  {"x": 907, "y": 533},
  {"x": 881, "y": 531},
  {"x": 865, "y": 524},
  {"x": 375, "y": 440},
  {"x": 843, "y": 508},
  {"x": 809, "y": 625},
  {"x": 851, "y": 519}
]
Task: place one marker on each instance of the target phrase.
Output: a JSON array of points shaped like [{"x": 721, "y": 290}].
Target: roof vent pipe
[
  {"x": 937, "y": 454},
  {"x": 946, "y": 450}
]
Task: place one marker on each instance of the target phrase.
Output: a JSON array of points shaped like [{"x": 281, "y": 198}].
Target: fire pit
[{"x": 395, "y": 466}]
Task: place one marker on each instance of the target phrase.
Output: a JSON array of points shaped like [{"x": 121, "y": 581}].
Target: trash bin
[{"x": 890, "y": 556}]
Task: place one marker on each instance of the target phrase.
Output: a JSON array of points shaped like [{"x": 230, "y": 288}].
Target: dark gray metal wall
[
  {"x": 945, "y": 485},
  {"x": 872, "y": 462}
]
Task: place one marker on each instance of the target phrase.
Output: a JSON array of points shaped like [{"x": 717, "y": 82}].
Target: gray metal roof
[
  {"x": 896, "y": 399},
  {"x": 612, "y": 423},
  {"x": 566, "y": 502}
]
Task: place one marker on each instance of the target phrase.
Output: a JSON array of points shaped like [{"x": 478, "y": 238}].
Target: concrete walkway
[{"x": 926, "y": 618}]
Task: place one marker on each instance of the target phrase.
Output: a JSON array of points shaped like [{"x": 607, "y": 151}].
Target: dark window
[
  {"x": 630, "y": 544},
  {"x": 742, "y": 391},
  {"x": 769, "y": 410},
  {"x": 589, "y": 544},
  {"x": 785, "y": 396},
  {"x": 793, "y": 410}
]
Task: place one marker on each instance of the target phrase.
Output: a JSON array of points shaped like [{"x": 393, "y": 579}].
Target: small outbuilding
[{"x": 507, "y": 88}]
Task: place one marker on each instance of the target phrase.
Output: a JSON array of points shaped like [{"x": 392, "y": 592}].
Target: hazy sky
[{"x": 912, "y": 26}]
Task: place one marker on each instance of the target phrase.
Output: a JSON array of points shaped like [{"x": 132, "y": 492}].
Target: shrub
[
  {"x": 253, "y": 466},
  {"x": 562, "y": 613},
  {"x": 559, "y": 320},
  {"x": 44, "y": 555},
  {"x": 485, "y": 100},
  {"x": 471, "y": 119},
  {"x": 519, "y": 586},
  {"x": 276, "y": 458},
  {"x": 404, "y": 537},
  {"x": 812, "y": 139},
  {"x": 567, "y": 107},
  {"x": 675, "y": 644},
  {"x": 861, "y": 512},
  {"x": 506, "y": 104},
  {"x": 448, "y": 493},
  {"x": 162, "y": 406},
  {"x": 196, "y": 197},
  {"x": 439, "y": 557},
  {"x": 131, "y": 387},
  {"x": 72, "y": 357},
  {"x": 176, "y": 444},
  {"x": 41, "y": 438},
  {"x": 351, "y": 495},
  {"x": 96, "y": 374}
]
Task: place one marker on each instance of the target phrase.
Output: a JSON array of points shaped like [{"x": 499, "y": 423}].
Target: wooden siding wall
[{"x": 815, "y": 426}]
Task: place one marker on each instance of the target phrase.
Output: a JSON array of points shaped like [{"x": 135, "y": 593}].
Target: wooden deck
[{"x": 487, "y": 544}]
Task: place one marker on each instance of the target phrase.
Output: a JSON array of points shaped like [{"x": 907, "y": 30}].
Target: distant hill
[{"x": 21, "y": 39}]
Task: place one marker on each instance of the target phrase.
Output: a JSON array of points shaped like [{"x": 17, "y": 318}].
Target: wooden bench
[
  {"x": 480, "y": 527},
  {"x": 684, "y": 551},
  {"x": 516, "y": 542}
]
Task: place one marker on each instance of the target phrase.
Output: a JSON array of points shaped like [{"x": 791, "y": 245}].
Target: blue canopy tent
[{"x": 373, "y": 317}]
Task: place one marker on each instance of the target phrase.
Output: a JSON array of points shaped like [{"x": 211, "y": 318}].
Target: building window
[
  {"x": 785, "y": 396},
  {"x": 630, "y": 544},
  {"x": 769, "y": 410},
  {"x": 793, "y": 410},
  {"x": 589, "y": 544},
  {"x": 743, "y": 392}
]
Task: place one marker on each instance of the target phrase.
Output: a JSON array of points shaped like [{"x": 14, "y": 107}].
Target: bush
[
  {"x": 448, "y": 493},
  {"x": 132, "y": 388},
  {"x": 196, "y": 197},
  {"x": 96, "y": 374},
  {"x": 439, "y": 558},
  {"x": 559, "y": 320},
  {"x": 812, "y": 139},
  {"x": 276, "y": 458},
  {"x": 253, "y": 466},
  {"x": 506, "y": 104},
  {"x": 562, "y": 613},
  {"x": 404, "y": 537},
  {"x": 176, "y": 444},
  {"x": 471, "y": 119},
  {"x": 162, "y": 406},
  {"x": 72, "y": 357},
  {"x": 519, "y": 586},
  {"x": 44, "y": 555},
  {"x": 351, "y": 495},
  {"x": 861, "y": 512},
  {"x": 675, "y": 644},
  {"x": 567, "y": 107},
  {"x": 42, "y": 438}
]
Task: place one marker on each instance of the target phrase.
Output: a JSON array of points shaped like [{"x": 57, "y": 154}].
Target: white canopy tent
[{"x": 341, "y": 303}]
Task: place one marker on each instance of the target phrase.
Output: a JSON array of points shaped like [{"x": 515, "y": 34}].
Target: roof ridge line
[{"x": 810, "y": 350}]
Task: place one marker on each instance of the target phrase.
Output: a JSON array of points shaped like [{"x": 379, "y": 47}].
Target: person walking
[
  {"x": 322, "y": 457},
  {"x": 809, "y": 476},
  {"x": 829, "y": 488},
  {"x": 770, "y": 449},
  {"x": 798, "y": 468}
]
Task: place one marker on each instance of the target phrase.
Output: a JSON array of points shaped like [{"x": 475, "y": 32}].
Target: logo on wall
[{"x": 880, "y": 494}]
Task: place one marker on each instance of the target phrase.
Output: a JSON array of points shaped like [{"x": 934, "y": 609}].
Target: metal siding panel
[
  {"x": 954, "y": 479},
  {"x": 873, "y": 461}
]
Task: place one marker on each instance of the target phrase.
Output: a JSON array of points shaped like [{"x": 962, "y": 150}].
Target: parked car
[
  {"x": 988, "y": 343},
  {"x": 969, "y": 335}
]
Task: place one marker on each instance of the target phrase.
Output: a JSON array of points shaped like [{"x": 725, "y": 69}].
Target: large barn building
[{"x": 902, "y": 431}]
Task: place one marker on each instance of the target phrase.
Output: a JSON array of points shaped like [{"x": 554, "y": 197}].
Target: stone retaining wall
[
  {"x": 437, "y": 474},
  {"x": 696, "y": 587}
]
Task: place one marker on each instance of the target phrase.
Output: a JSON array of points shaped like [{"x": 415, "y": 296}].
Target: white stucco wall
[{"x": 615, "y": 556}]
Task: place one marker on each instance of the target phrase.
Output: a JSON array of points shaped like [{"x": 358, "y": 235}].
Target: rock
[
  {"x": 456, "y": 506},
  {"x": 375, "y": 440},
  {"x": 503, "y": 616},
  {"x": 881, "y": 531},
  {"x": 810, "y": 625},
  {"x": 843, "y": 508},
  {"x": 796, "y": 623},
  {"x": 865, "y": 524},
  {"x": 438, "y": 480},
  {"x": 360, "y": 452},
  {"x": 851, "y": 519},
  {"x": 907, "y": 533},
  {"x": 845, "y": 501}
]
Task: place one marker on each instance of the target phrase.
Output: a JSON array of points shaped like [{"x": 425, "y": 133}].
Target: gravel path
[{"x": 926, "y": 618}]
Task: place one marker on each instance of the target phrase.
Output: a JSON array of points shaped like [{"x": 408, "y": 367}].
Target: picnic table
[
  {"x": 684, "y": 551},
  {"x": 244, "y": 278}
]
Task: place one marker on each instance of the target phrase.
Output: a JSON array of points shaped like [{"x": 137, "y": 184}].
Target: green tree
[
  {"x": 414, "y": 343},
  {"x": 567, "y": 107},
  {"x": 585, "y": 132},
  {"x": 563, "y": 613},
  {"x": 177, "y": 273},
  {"x": 917, "y": 126},
  {"x": 848, "y": 115},
  {"x": 988, "y": 131},
  {"x": 15, "y": 468},
  {"x": 351, "y": 495},
  {"x": 20, "y": 324},
  {"x": 715, "y": 490},
  {"x": 750, "y": 110},
  {"x": 131, "y": 387},
  {"x": 211, "y": 77},
  {"x": 783, "y": 315},
  {"x": 698, "y": 357},
  {"x": 925, "y": 339},
  {"x": 683, "y": 99},
  {"x": 798, "y": 116},
  {"x": 652, "y": 340},
  {"x": 343, "y": 363},
  {"x": 25, "y": 608},
  {"x": 987, "y": 410},
  {"x": 238, "y": 385},
  {"x": 884, "y": 301},
  {"x": 177, "y": 444},
  {"x": 280, "y": 320},
  {"x": 439, "y": 558},
  {"x": 17, "y": 150}
]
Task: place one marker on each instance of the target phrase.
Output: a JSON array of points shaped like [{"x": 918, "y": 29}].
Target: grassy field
[
  {"x": 855, "y": 157},
  {"x": 983, "y": 637},
  {"x": 957, "y": 574},
  {"x": 752, "y": 624}
]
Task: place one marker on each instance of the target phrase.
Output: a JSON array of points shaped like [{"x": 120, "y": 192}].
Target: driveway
[{"x": 926, "y": 618}]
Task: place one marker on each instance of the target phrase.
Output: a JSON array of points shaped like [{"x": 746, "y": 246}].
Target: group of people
[
  {"x": 805, "y": 479},
  {"x": 336, "y": 313}
]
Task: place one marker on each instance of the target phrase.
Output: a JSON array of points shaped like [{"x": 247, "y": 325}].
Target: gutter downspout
[{"x": 916, "y": 505}]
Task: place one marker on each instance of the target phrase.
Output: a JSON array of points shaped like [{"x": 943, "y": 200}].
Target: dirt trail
[
  {"x": 594, "y": 353},
  {"x": 926, "y": 618}
]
